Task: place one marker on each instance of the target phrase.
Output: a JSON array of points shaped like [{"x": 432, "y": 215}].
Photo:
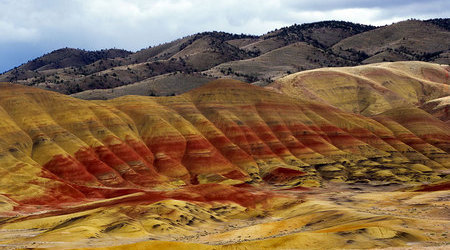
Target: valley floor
[{"x": 336, "y": 216}]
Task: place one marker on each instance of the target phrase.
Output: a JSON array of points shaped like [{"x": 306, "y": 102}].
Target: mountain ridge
[{"x": 218, "y": 54}]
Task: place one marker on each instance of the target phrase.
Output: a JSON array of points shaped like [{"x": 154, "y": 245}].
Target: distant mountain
[
  {"x": 68, "y": 57},
  {"x": 407, "y": 40},
  {"x": 191, "y": 61}
]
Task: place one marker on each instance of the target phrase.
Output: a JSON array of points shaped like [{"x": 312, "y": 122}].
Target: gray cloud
[
  {"x": 382, "y": 4},
  {"x": 31, "y": 27}
]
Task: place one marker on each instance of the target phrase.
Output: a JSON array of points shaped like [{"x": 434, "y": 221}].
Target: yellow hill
[{"x": 369, "y": 89}]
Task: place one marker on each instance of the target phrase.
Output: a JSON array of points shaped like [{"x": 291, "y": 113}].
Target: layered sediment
[
  {"x": 210, "y": 166},
  {"x": 55, "y": 148}
]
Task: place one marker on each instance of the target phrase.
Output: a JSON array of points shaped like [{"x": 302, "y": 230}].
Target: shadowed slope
[{"x": 439, "y": 108}]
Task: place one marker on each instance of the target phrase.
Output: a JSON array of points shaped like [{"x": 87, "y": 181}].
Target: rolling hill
[{"x": 370, "y": 89}]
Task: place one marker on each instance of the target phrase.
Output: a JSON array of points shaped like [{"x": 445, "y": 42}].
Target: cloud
[
  {"x": 15, "y": 33},
  {"x": 44, "y": 25}
]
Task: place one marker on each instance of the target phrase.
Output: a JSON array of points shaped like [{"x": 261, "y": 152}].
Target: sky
[{"x": 30, "y": 28}]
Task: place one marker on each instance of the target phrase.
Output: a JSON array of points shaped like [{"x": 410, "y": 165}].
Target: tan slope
[
  {"x": 388, "y": 56},
  {"x": 276, "y": 63},
  {"x": 265, "y": 45},
  {"x": 411, "y": 38},
  {"x": 321, "y": 35},
  {"x": 209, "y": 51},
  {"x": 161, "y": 85},
  {"x": 162, "y": 51},
  {"x": 369, "y": 89}
]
